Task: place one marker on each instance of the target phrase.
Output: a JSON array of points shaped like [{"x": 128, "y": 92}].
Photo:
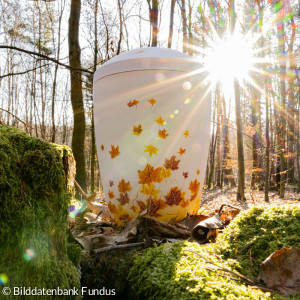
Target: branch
[
  {"x": 45, "y": 57},
  {"x": 113, "y": 247},
  {"x": 24, "y": 72},
  {"x": 14, "y": 116}
]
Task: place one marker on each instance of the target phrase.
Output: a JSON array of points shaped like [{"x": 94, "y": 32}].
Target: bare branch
[
  {"x": 24, "y": 72},
  {"x": 45, "y": 57}
]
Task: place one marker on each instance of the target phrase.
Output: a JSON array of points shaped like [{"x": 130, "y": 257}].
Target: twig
[
  {"x": 81, "y": 191},
  {"x": 14, "y": 116},
  {"x": 114, "y": 247}
]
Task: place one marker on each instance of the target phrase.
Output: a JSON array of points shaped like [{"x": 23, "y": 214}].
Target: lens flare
[
  {"x": 29, "y": 254},
  {"x": 3, "y": 279}
]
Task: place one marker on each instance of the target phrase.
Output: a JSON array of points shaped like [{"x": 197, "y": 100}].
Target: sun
[{"x": 228, "y": 59}]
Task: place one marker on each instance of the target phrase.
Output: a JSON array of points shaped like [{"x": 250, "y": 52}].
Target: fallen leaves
[
  {"x": 114, "y": 152},
  {"x": 151, "y": 149},
  {"x": 171, "y": 163},
  {"x": 137, "y": 130},
  {"x": 124, "y": 186}
]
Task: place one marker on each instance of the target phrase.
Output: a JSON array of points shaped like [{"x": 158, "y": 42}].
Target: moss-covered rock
[
  {"x": 256, "y": 233},
  {"x": 172, "y": 272},
  {"x": 33, "y": 213}
]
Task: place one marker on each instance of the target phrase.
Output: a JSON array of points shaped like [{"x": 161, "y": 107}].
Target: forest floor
[{"x": 213, "y": 199}]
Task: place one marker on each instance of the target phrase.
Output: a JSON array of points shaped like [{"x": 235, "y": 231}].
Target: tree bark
[
  {"x": 171, "y": 24},
  {"x": 78, "y": 137},
  {"x": 184, "y": 27}
]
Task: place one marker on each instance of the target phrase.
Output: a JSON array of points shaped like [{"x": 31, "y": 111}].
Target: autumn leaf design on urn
[{"x": 152, "y": 121}]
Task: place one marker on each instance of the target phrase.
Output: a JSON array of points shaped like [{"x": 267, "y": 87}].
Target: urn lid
[{"x": 150, "y": 58}]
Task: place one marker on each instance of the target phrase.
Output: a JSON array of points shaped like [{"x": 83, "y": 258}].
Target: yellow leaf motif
[
  {"x": 165, "y": 173},
  {"x": 151, "y": 149},
  {"x": 149, "y": 190},
  {"x": 152, "y": 102},
  {"x": 160, "y": 121},
  {"x": 114, "y": 152},
  {"x": 124, "y": 186},
  {"x": 186, "y": 133},
  {"x": 137, "y": 130},
  {"x": 149, "y": 175}
]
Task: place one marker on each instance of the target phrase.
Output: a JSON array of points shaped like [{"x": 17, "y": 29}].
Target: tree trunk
[
  {"x": 171, "y": 24},
  {"x": 184, "y": 27},
  {"x": 153, "y": 12},
  {"x": 76, "y": 94}
]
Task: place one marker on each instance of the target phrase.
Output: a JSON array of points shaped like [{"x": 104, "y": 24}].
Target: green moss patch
[
  {"x": 172, "y": 272},
  {"x": 256, "y": 233},
  {"x": 33, "y": 213}
]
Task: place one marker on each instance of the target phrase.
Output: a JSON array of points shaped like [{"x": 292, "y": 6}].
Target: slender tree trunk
[
  {"x": 121, "y": 26},
  {"x": 171, "y": 24},
  {"x": 184, "y": 27},
  {"x": 76, "y": 94},
  {"x": 237, "y": 96}
]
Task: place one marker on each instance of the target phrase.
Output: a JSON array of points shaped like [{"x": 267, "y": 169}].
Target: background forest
[{"x": 50, "y": 49}]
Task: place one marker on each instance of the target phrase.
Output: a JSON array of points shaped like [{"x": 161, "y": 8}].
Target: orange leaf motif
[
  {"x": 185, "y": 174},
  {"x": 184, "y": 203},
  {"x": 162, "y": 133},
  {"x": 172, "y": 163},
  {"x": 124, "y": 187},
  {"x": 137, "y": 130},
  {"x": 151, "y": 149},
  {"x": 186, "y": 133},
  {"x": 174, "y": 196},
  {"x": 114, "y": 152},
  {"x": 132, "y": 103},
  {"x": 149, "y": 175},
  {"x": 123, "y": 199},
  {"x": 194, "y": 187},
  {"x": 152, "y": 102},
  {"x": 102, "y": 147},
  {"x": 112, "y": 208},
  {"x": 111, "y": 195},
  {"x": 160, "y": 121},
  {"x": 198, "y": 172},
  {"x": 181, "y": 151}
]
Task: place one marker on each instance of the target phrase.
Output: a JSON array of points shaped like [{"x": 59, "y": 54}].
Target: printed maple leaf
[
  {"x": 174, "y": 196},
  {"x": 132, "y": 103},
  {"x": 181, "y": 151},
  {"x": 149, "y": 189},
  {"x": 142, "y": 205},
  {"x": 152, "y": 209},
  {"x": 111, "y": 183},
  {"x": 111, "y": 195},
  {"x": 160, "y": 202},
  {"x": 162, "y": 133},
  {"x": 102, "y": 147},
  {"x": 186, "y": 133},
  {"x": 133, "y": 208},
  {"x": 160, "y": 121},
  {"x": 114, "y": 152},
  {"x": 184, "y": 203},
  {"x": 172, "y": 163},
  {"x": 152, "y": 102},
  {"x": 198, "y": 172},
  {"x": 123, "y": 198},
  {"x": 165, "y": 173},
  {"x": 124, "y": 217},
  {"x": 149, "y": 175},
  {"x": 185, "y": 174},
  {"x": 137, "y": 130},
  {"x": 194, "y": 187},
  {"x": 124, "y": 186},
  {"x": 112, "y": 208},
  {"x": 151, "y": 149}
]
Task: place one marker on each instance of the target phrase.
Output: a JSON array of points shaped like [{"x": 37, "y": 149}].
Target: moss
[
  {"x": 264, "y": 230},
  {"x": 33, "y": 213},
  {"x": 171, "y": 272}
]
